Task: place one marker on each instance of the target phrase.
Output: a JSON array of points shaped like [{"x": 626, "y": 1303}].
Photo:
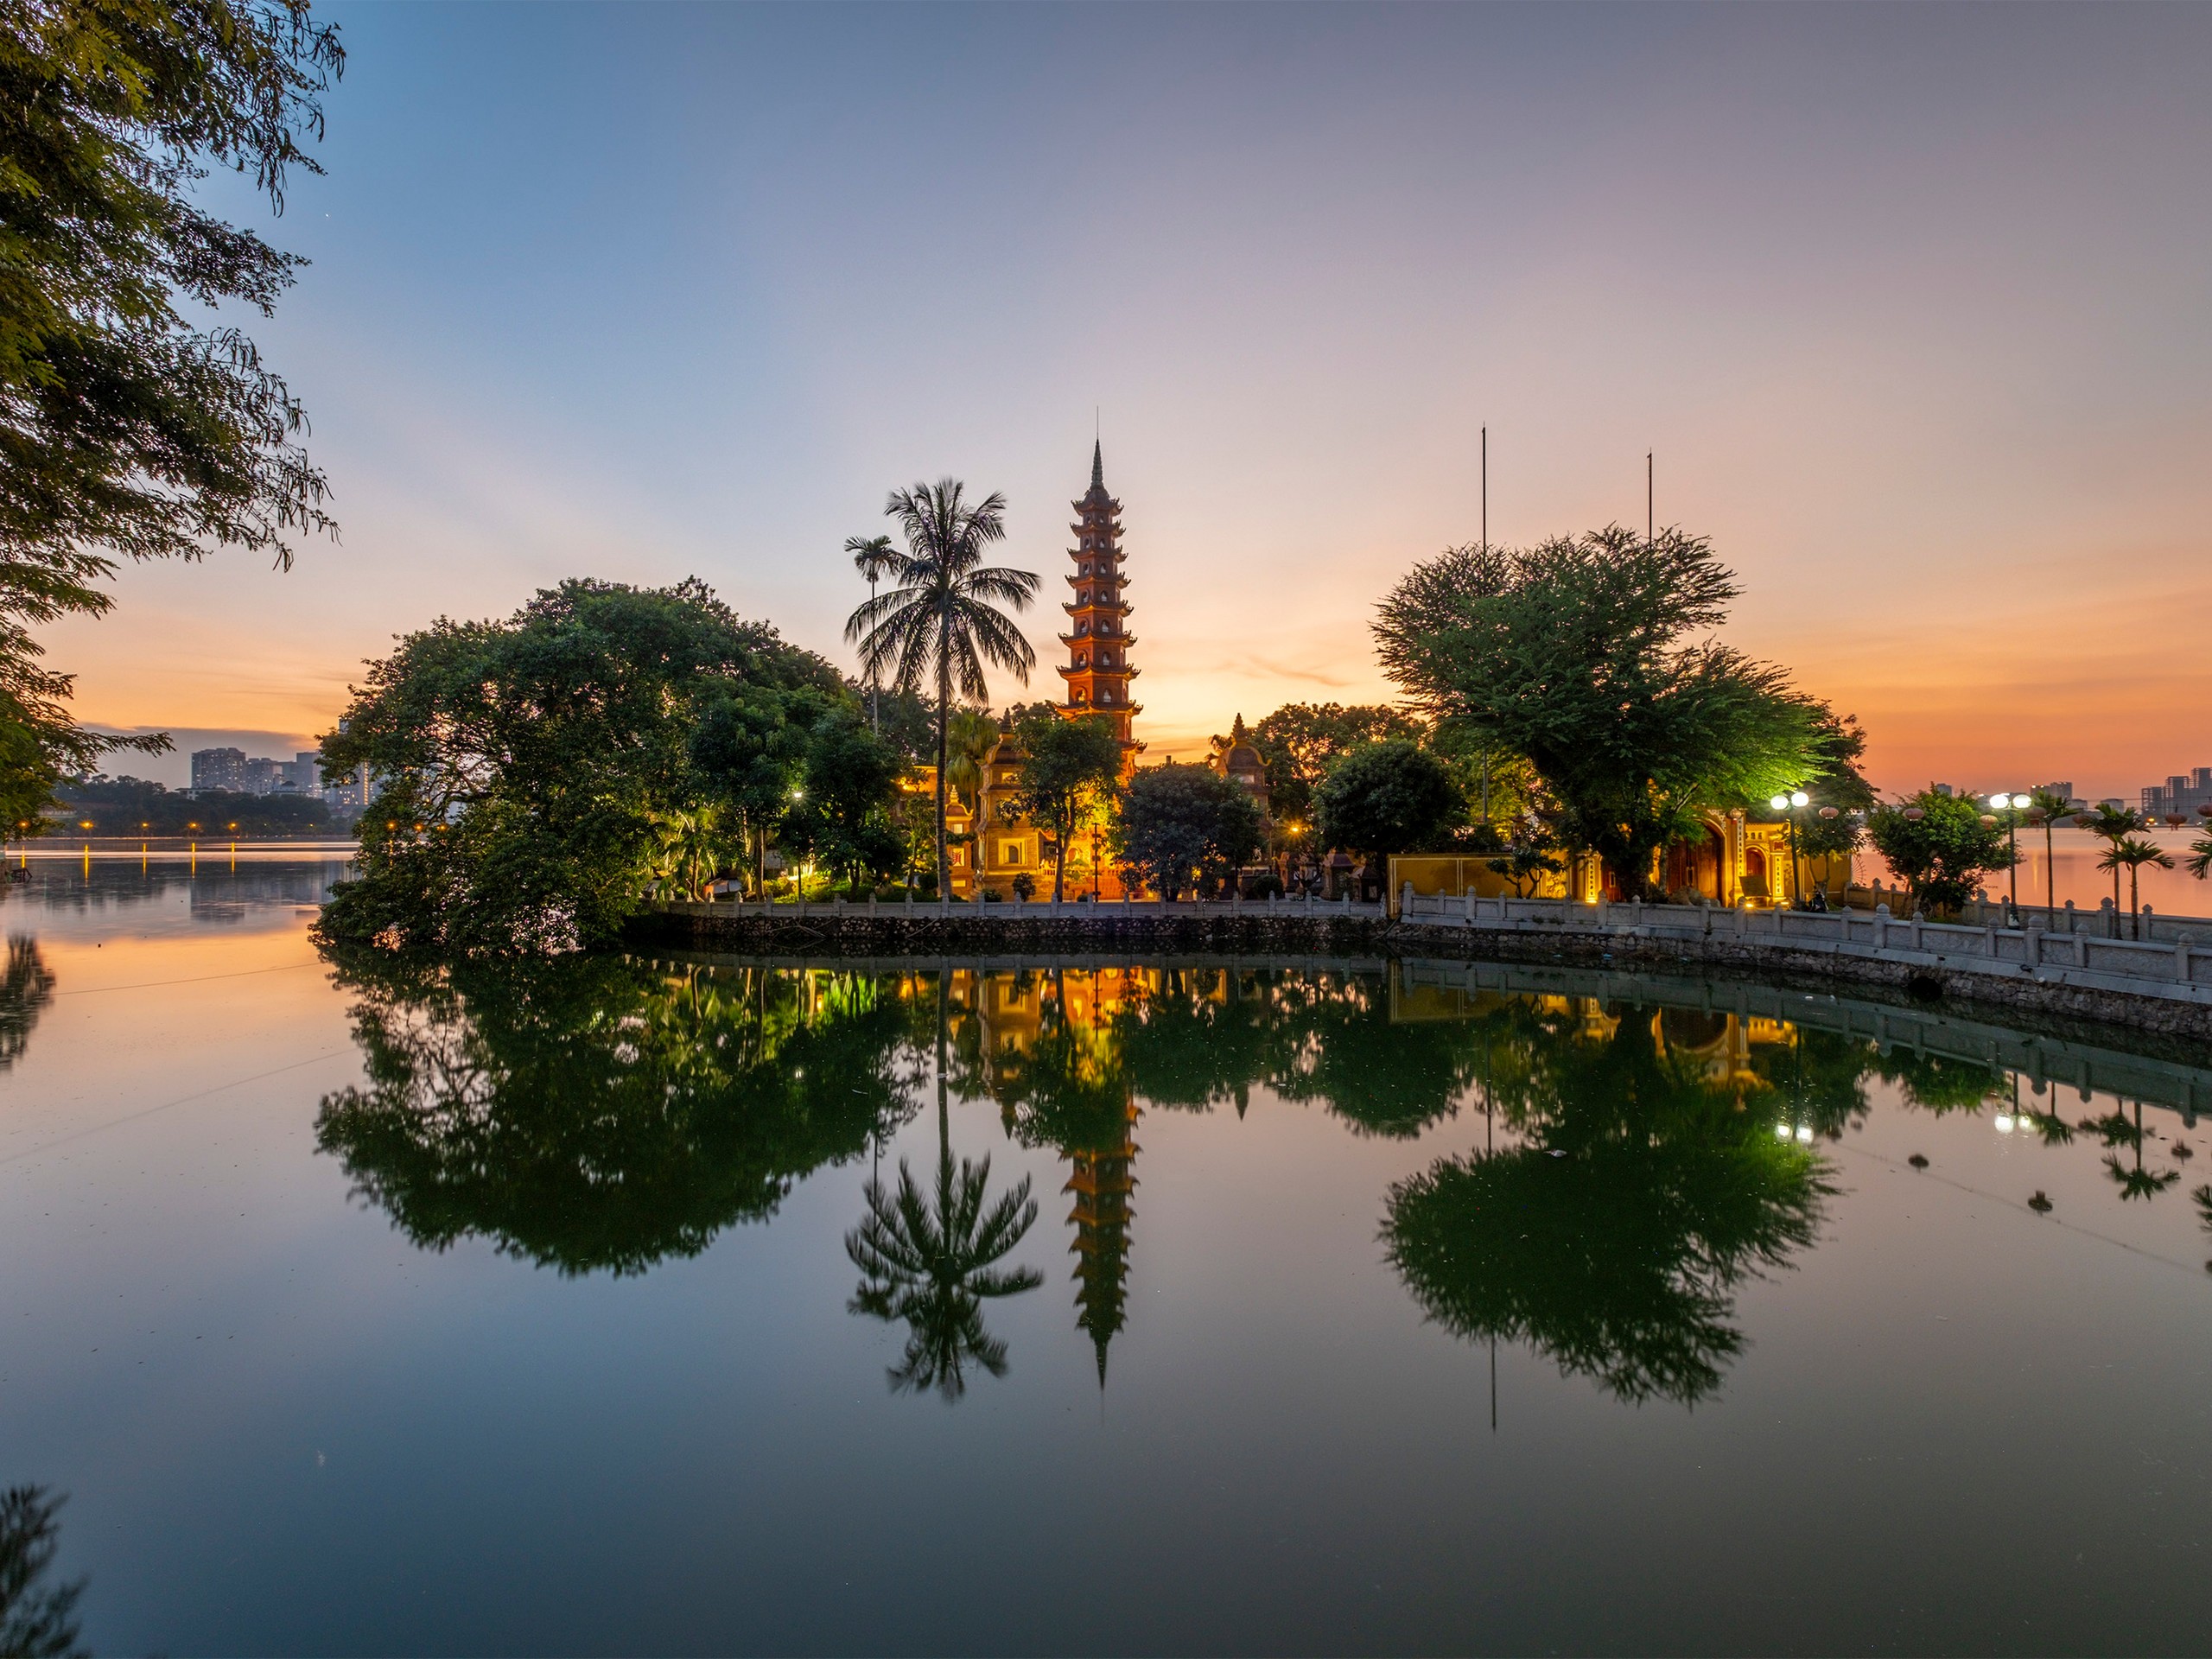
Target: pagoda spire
[{"x": 1097, "y": 670}]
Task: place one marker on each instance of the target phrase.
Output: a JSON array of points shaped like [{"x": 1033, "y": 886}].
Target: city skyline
[{"x": 1908, "y": 305}]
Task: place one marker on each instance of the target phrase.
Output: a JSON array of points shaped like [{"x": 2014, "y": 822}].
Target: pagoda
[{"x": 1097, "y": 670}]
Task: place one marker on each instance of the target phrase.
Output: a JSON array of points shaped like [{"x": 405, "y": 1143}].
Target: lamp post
[
  {"x": 2011, "y": 806},
  {"x": 1788, "y": 805}
]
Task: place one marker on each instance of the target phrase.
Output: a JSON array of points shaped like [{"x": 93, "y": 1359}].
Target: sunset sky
[{"x": 1914, "y": 305}]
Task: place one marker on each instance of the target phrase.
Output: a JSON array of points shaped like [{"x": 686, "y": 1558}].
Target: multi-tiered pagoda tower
[{"x": 1097, "y": 670}]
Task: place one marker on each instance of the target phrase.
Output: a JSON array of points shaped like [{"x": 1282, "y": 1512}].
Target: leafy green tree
[
  {"x": 1942, "y": 852},
  {"x": 942, "y": 622},
  {"x": 1068, "y": 769},
  {"x": 1176, "y": 820},
  {"x": 1526, "y": 861},
  {"x": 130, "y": 431},
  {"x": 521, "y": 763},
  {"x": 1389, "y": 797},
  {"x": 1584, "y": 655},
  {"x": 1300, "y": 741},
  {"x": 593, "y": 1113},
  {"x": 841, "y": 818},
  {"x": 2132, "y": 853}
]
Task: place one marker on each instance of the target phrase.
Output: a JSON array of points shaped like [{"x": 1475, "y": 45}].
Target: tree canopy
[
  {"x": 524, "y": 767},
  {"x": 1068, "y": 771},
  {"x": 1943, "y": 850},
  {"x": 125, "y": 429},
  {"x": 1389, "y": 797},
  {"x": 1585, "y": 655},
  {"x": 1179, "y": 822},
  {"x": 1300, "y": 741}
]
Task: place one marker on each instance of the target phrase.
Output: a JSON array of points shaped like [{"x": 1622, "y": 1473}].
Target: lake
[{"x": 1275, "y": 1306}]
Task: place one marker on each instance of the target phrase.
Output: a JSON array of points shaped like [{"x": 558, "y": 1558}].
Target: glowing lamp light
[
  {"x": 2004, "y": 1123},
  {"x": 1781, "y": 1131},
  {"x": 1798, "y": 798},
  {"x": 1779, "y": 802},
  {"x": 1804, "y": 1132}
]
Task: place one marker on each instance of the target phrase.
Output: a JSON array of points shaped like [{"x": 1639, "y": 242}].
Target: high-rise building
[
  {"x": 2181, "y": 793},
  {"x": 1097, "y": 670},
  {"x": 218, "y": 769}
]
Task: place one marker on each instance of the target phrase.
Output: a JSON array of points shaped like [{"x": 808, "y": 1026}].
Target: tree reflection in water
[
  {"x": 934, "y": 1264},
  {"x": 1640, "y": 1195},
  {"x": 25, "y": 988},
  {"x": 1638, "y": 1164},
  {"x": 37, "y": 1620},
  {"x": 593, "y": 1113}
]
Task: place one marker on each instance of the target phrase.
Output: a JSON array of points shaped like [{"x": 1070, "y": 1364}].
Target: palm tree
[
  {"x": 2115, "y": 824},
  {"x": 2052, "y": 805},
  {"x": 942, "y": 618},
  {"x": 2132, "y": 853},
  {"x": 875, "y": 559},
  {"x": 974, "y": 733},
  {"x": 688, "y": 849},
  {"x": 2200, "y": 856},
  {"x": 932, "y": 1264}
]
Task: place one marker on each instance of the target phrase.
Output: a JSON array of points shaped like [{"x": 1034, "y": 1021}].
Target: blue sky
[{"x": 1912, "y": 303}]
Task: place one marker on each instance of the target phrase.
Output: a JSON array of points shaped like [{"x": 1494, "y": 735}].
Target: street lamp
[
  {"x": 1789, "y": 804},
  {"x": 2011, "y": 806}
]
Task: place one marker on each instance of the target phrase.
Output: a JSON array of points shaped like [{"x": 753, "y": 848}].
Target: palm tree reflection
[{"x": 932, "y": 1261}]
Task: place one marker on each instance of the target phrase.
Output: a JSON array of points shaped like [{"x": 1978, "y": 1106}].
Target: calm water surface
[{"x": 1311, "y": 1306}]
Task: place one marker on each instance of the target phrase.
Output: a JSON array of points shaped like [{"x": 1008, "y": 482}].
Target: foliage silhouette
[{"x": 37, "y": 1620}]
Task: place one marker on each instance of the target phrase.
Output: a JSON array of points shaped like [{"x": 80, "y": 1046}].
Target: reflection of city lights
[
  {"x": 2004, "y": 1123},
  {"x": 1804, "y": 1132}
]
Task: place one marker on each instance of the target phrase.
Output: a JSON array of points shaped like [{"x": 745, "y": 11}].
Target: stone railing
[{"x": 2175, "y": 965}]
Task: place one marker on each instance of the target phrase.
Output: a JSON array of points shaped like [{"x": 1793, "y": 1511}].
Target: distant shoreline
[{"x": 51, "y": 847}]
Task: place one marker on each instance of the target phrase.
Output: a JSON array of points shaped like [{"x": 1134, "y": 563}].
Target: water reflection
[
  {"x": 26, "y": 987},
  {"x": 931, "y": 1262},
  {"x": 1642, "y": 1152},
  {"x": 38, "y": 1620},
  {"x": 603, "y": 1114},
  {"x": 1639, "y": 1194}
]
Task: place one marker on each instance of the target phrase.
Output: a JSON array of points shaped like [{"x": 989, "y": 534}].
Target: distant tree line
[{"x": 133, "y": 806}]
